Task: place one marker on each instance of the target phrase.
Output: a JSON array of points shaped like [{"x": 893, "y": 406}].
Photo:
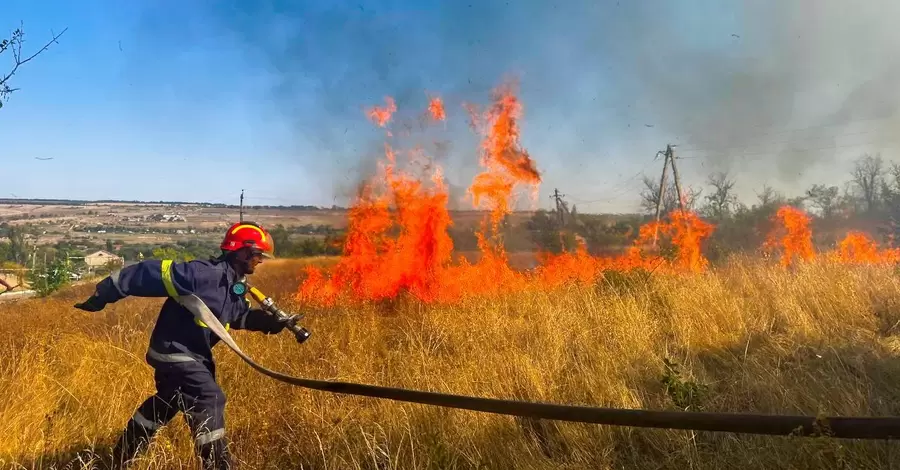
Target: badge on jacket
[{"x": 239, "y": 288}]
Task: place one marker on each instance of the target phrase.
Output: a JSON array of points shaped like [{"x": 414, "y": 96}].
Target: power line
[
  {"x": 794, "y": 130},
  {"x": 713, "y": 148},
  {"x": 818, "y": 149},
  {"x": 757, "y": 136},
  {"x": 619, "y": 188},
  {"x": 616, "y": 196}
]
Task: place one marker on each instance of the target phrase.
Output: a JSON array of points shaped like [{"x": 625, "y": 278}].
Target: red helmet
[{"x": 244, "y": 234}]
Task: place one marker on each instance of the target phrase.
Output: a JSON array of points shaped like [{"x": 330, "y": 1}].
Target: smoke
[
  {"x": 796, "y": 84},
  {"x": 769, "y": 90}
]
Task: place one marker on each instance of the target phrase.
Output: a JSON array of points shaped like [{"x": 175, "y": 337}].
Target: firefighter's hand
[{"x": 92, "y": 304}]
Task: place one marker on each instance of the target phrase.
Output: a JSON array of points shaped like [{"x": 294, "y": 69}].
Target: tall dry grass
[{"x": 759, "y": 338}]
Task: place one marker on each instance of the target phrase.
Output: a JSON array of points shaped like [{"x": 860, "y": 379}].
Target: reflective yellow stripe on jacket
[
  {"x": 166, "y": 269},
  {"x": 167, "y": 278}
]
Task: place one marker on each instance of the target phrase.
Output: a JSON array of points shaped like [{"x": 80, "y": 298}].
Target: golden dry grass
[{"x": 764, "y": 339}]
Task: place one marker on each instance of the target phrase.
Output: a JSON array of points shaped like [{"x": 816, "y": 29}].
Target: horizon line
[{"x": 335, "y": 207}]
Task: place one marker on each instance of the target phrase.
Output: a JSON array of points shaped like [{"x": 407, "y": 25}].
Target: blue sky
[{"x": 196, "y": 100}]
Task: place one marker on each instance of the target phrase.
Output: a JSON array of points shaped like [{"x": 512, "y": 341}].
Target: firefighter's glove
[{"x": 92, "y": 304}]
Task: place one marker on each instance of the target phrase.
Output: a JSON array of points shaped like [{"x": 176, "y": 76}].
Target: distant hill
[
  {"x": 235, "y": 207},
  {"x": 80, "y": 202}
]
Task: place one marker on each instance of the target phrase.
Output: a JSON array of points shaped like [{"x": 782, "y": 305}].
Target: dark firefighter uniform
[{"x": 180, "y": 349}]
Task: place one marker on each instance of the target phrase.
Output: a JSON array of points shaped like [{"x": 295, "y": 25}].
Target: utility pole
[
  {"x": 669, "y": 159},
  {"x": 559, "y": 206},
  {"x": 660, "y": 195},
  {"x": 560, "y": 218},
  {"x": 671, "y": 155},
  {"x": 242, "y": 206}
]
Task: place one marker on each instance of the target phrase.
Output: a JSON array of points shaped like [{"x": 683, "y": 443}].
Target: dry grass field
[
  {"x": 816, "y": 338},
  {"x": 808, "y": 333},
  {"x": 133, "y": 223}
]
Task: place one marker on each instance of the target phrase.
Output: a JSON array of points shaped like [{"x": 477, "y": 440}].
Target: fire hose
[
  {"x": 10, "y": 289},
  {"x": 783, "y": 425}
]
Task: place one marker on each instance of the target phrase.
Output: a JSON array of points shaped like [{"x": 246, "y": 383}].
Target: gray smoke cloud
[
  {"x": 794, "y": 86},
  {"x": 773, "y": 91}
]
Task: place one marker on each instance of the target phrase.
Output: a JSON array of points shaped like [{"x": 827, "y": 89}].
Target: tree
[
  {"x": 281, "y": 238},
  {"x": 890, "y": 186},
  {"x": 172, "y": 254},
  {"x": 13, "y": 45},
  {"x": 650, "y": 196},
  {"x": 891, "y": 197},
  {"x": 895, "y": 176},
  {"x": 544, "y": 232},
  {"x": 824, "y": 198},
  {"x": 47, "y": 279},
  {"x": 867, "y": 176},
  {"x": 768, "y": 197},
  {"x": 722, "y": 201},
  {"x": 18, "y": 251}
]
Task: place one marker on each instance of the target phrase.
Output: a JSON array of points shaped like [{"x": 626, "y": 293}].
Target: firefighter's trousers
[{"x": 191, "y": 388}]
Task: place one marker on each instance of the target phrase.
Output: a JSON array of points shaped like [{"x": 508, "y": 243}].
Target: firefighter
[{"x": 180, "y": 346}]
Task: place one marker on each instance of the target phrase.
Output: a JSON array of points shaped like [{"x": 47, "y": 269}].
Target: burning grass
[
  {"x": 398, "y": 241},
  {"x": 752, "y": 337}
]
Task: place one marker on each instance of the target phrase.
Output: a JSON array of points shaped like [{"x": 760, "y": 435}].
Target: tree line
[{"x": 869, "y": 197}]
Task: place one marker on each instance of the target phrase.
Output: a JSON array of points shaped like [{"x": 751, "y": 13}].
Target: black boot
[
  {"x": 215, "y": 455},
  {"x": 133, "y": 441}
]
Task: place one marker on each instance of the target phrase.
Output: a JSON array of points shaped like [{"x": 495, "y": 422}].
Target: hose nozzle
[{"x": 302, "y": 334}]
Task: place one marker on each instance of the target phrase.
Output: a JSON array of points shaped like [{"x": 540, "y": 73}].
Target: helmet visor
[{"x": 258, "y": 251}]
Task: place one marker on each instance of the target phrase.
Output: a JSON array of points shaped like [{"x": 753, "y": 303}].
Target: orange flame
[
  {"x": 505, "y": 163},
  {"x": 797, "y": 239},
  {"x": 398, "y": 242},
  {"x": 397, "y": 239},
  {"x": 859, "y": 248},
  {"x": 397, "y": 236},
  {"x": 556, "y": 270},
  {"x": 382, "y": 114},
  {"x": 436, "y": 108},
  {"x": 379, "y": 264},
  {"x": 688, "y": 232}
]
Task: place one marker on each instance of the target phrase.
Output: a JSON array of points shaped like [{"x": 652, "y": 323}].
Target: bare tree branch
[
  {"x": 722, "y": 202},
  {"x": 867, "y": 175},
  {"x": 825, "y": 198},
  {"x": 14, "y": 45},
  {"x": 650, "y": 195},
  {"x": 769, "y": 197}
]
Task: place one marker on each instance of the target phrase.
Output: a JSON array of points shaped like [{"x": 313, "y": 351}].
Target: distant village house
[
  {"x": 167, "y": 218},
  {"x": 102, "y": 258}
]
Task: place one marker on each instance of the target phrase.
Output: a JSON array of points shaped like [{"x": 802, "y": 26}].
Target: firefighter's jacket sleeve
[
  {"x": 145, "y": 279},
  {"x": 155, "y": 278}
]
